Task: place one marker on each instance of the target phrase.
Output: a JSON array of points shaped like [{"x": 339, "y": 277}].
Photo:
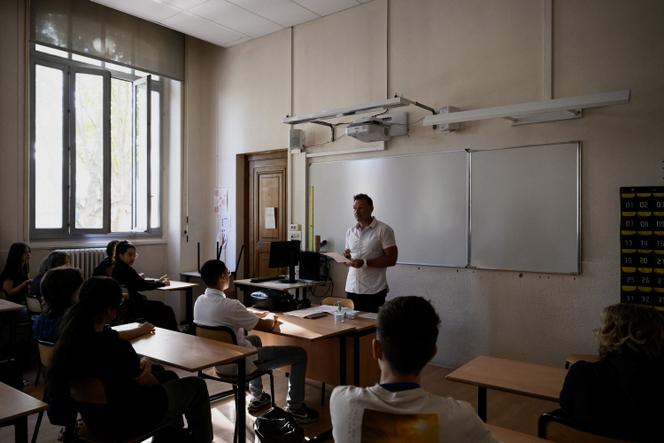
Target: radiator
[{"x": 86, "y": 259}]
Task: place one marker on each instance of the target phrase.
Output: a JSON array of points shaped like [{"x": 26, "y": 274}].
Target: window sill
[{"x": 91, "y": 243}]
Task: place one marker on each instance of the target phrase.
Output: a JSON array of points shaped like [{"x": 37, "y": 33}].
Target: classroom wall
[
  {"x": 474, "y": 54},
  {"x": 12, "y": 110}
]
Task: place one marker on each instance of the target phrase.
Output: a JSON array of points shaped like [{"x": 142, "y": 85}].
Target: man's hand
[
  {"x": 165, "y": 280},
  {"x": 356, "y": 263},
  {"x": 347, "y": 253}
]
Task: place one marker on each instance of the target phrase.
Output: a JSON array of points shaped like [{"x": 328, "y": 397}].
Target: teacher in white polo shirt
[{"x": 371, "y": 248}]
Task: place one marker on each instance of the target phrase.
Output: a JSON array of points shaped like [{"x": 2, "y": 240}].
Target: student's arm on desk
[
  {"x": 142, "y": 329},
  {"x": 267, "y": 324}
]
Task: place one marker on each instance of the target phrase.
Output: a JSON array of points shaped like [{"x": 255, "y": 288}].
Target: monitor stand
[{"x": 291, "y": 276}]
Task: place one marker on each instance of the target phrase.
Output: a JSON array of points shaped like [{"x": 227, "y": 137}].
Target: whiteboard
[
  {"x": 423, "y": 197},
  {"x": 524, "y": 208}
]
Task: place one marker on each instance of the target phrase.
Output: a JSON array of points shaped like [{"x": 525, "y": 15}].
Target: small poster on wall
[{"x": 223, "y": 219}]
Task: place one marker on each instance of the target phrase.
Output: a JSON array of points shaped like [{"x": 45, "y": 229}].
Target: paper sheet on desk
[
  {"x": 337, "y": 257},
  {"x": 317, "y": 309}
]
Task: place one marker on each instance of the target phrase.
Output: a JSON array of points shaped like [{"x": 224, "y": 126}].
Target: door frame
[{"x": 244, "y": 175}]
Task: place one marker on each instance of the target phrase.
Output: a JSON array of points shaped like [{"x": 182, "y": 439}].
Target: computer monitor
[
  {"x": 309, "y": 265},
  {"x": 285, "y": 253}
]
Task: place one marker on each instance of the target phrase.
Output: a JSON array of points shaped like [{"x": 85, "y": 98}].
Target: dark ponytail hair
[
  {"x": 77, "y": 331},
  {"x": 15, "y": 269},
  {"x": 121, "y": 247}
]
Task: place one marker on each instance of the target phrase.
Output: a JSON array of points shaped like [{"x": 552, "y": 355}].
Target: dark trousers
[
  {"x": 189, "y": 396},
  {"x": 368, "y": 302}
]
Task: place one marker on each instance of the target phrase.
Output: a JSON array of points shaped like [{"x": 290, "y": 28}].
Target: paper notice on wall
[
  {"x": 270, "y": 218},
  {"x": 222, "y": 216}
]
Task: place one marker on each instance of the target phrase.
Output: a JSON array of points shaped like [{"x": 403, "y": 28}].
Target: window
[{"x": 95, "y": 148}]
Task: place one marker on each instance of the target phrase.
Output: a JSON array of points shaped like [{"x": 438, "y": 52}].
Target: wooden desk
[
  {"x": 194, "y": 354},
  {"x": 317, "y": 337},
  {"x": 509, "y": 436},
  {"x": 8, "y": 306},
  {"x": 15, "y": 406},
  {"x": 521, "y": 378},
  {"x": 187, "y": 287}
]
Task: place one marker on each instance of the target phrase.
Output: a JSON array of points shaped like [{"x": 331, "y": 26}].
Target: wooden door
[{"x": 266, "y": 174}]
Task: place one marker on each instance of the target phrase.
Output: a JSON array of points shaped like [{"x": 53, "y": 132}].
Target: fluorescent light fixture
[
  {"x": 379, "y": 105},
  {"x": 357, "y": 150},
  {"x": 534, "y": 112}
]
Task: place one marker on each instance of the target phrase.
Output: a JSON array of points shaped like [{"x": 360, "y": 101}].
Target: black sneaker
[
  {"x": 303, "y": 414},
  {"x": 259, "y": 403}
]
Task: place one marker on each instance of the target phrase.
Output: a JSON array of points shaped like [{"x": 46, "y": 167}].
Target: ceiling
[{"x": 229, "y": 22}]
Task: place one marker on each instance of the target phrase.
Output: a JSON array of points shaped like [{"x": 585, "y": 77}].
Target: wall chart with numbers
[{"x": 642, "y": 245}]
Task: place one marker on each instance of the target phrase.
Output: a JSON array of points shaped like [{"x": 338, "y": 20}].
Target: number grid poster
[{"x": 642, "y": 245}]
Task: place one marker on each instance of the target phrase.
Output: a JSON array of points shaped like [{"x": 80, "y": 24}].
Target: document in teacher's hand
[{"x": 337, "y": 257}]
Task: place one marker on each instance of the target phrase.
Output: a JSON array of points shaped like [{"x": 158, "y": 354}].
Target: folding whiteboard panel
[
  {"x": 423, "y": 197},
  {"x": 525, "y": 208}
]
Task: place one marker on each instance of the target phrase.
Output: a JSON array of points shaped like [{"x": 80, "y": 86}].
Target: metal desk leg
[
  {"x": 241, "y": 413},
  {"x": 342, "y": 359},
  {"x": 356, "y": 359},
  {"x": 481, "y": 402},
  {"x": 189, "y": 307},
  {"x": 21, "y": 430}
]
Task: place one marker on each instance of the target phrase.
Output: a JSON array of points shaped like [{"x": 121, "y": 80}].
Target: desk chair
[
  {"x": 227, "y": 335},
  {"x": 555, "y": 426},
  {"x": 334, "y": 301},
  {"x": 573, "y": 358},
  {"x": 91, "y": 391},
  {"x": 45, "y": 357},
  {"x": 342, "y": 301}
]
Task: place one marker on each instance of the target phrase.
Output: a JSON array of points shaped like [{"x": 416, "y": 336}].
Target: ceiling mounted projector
[{"x": 379, "y": 128}]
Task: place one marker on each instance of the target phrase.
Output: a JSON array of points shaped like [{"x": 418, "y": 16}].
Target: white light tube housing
[
  {"x": 389, "y": 103},
  {"x": 534, "y": 112}
]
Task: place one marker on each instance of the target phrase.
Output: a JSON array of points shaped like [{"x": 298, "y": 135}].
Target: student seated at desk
[
  {"x": 621, "y": 394},
  {"x": 405, "y": 342},
  {"x": 139, "y": 306},
  {"x": 135, "y": 401},
  {"x": 14, "y": 286},
  {"x": 14, "y": 278},
  {"x": 105, "y": 267},
  {"x": 54, "y": 259},
  {"x": 212, "y": 308},
  {"x": 60, "y": 290}
]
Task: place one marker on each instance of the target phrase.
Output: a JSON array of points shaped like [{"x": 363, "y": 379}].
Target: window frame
[{"x": 68, "y": 231}]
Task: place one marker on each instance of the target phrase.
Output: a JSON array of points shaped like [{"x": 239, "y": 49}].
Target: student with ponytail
[
  {"x": 135, "y": 401},
  {"x": 153, "y": 311}
]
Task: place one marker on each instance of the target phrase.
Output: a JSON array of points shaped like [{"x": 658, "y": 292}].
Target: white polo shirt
[
  {"x": 367, "y": 244},
  {"x": 213, "y": 308}
]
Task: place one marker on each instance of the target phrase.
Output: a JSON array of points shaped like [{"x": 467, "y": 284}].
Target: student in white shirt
[
  {"x": 213, "y": 308},
  {"x": 398, "y": 407},
  {"x": 371, "y": 249}
]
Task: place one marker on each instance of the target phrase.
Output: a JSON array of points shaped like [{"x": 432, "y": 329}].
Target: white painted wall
[{"x": 473, "y": 54}]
